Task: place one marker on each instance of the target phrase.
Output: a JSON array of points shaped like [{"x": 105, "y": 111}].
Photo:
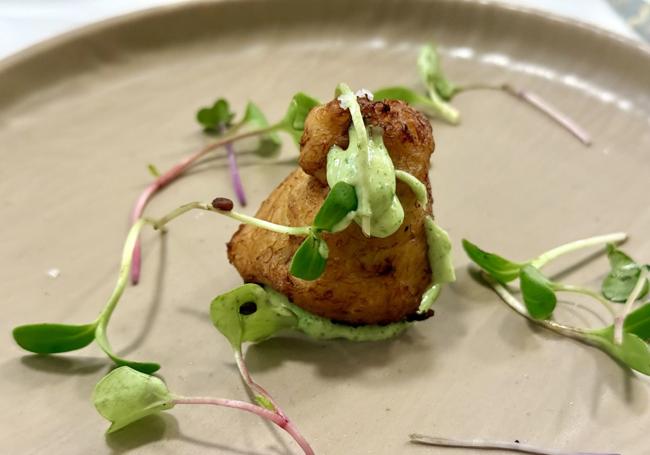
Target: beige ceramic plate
[{"x": 81, "y": 116}]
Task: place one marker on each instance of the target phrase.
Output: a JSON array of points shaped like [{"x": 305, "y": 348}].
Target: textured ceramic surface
[{"x": 81, "y": 117}]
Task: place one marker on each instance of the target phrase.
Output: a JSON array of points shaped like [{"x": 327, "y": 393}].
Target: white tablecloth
[{"x": 25, "y": 22}]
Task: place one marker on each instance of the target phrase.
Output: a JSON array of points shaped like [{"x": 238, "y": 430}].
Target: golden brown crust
[
  {"x": 407, "y": 135},
  {"x": 367, "y": 280}
]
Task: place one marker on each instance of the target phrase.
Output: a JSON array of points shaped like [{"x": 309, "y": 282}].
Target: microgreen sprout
[
  {"x": 253, "y": 125},
  {"x": 481, "y": 444},
  {"x": 440, "y": 91},
  {"x": 125, "y": 396},
  {"x": 310, "y": 259},
  {"x": 56, "y": 338},
  {"x": 624, "y": 339},
  {"x": 217, "y": 120}
]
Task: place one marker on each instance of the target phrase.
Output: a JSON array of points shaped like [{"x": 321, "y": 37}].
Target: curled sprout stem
[
  {"x": 545, "y": 258},
  {"x": 629, "y": 303},
  {"x": 275, "y": 417},
  {"x": 581, "y": 290},
  {"x": 492, "y": 445},
  {"x": 171, "y": 175},
  {"x": 538, "y": 103}
]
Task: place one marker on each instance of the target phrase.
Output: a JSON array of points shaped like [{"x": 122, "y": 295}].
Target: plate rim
[{"x": 39, "y": 49}]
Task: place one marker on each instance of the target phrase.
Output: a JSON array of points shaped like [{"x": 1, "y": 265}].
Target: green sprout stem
[
  {"x": 585, "y": 291},
  {"x": 172, "y": 174},
  {"x": 246, "y": 219},
  {"x": 445, "y": 110},
  {"x": 275, "y": 417},
  {"x": 545, "y": 258},
  {"x": 519, "y": 307},
  {"x": 629, "y": 303},
  {"x": 491, "y": 445},
  {"x": 122, "y": 279}
]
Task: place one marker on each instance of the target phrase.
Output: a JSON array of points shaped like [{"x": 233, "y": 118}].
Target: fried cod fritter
[{"x": 367, "y": 280}]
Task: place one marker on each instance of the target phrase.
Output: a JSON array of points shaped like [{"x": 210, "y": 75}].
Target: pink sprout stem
[
  {"x": 165, "y": 179},
  {"x": 235, "y": 178},
  {"x": 537, "y": 102},
  {"x": 550, "y": 111},
  {"x": 255, "y": 387},
  {"x": 259, "y": 390},
  {"x": 273, "y": 416},
  {"x": 491, "y": 445}
]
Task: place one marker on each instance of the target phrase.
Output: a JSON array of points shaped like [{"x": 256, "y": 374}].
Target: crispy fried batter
[{"x": 367, "y": 280}]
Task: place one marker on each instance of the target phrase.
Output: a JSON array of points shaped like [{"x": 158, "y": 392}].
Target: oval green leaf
[
  {"x": 308, "y": 263},
  {"x": 633, "y": 351},
  {"x": 539, "y": 296},
  {"x": 54, "y": 338},
  {"x": 624, "y": 273},
  {"x": 341, "y": 200},
  {"x": 500, "y": 268},
  {"x": 638, "y": 322}
]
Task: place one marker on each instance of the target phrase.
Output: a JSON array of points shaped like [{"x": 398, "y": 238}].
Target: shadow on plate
[
  {"x": 64, "y": 365},
  {"x": 165, "y": 427},
  {"x": 423, "y": 345}
]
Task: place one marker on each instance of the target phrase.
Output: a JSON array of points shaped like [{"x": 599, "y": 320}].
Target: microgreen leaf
[
  {"x": 431, "y": 107},
  {"x": 430, "y": 70},
  {"x": 638, "y": 322},
  {"x": 293, "y": 121},
  {"x": 622, "y": 278},
  {"x": 216, "y": 116},
  {"x": 340, "y": 201},
  {"x": 247, "y": 314},
  {"x": 537, "y": 292},
  {"x": 497, "y": 266},
  {"x": 125, "y": 395},
  {"x": 309, "y": 261},
  {"x": 102, "y": 341},
  {"x": 54, "y": 338},
  {"x": 268, "y": 144},
  {"x": 633, "y": 351}
]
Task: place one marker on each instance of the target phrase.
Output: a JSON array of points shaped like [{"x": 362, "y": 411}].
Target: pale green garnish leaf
[
  {"x": 125, "y": 395},
  {"x": 340, "y": 201},
  {"x": 245, "y": 314},
  {"x": 500, "y": 268},
  {"x": 537, "y": 290},
  {"x": 54, "y": 338},
  {"x": 620, "y": 281}
]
